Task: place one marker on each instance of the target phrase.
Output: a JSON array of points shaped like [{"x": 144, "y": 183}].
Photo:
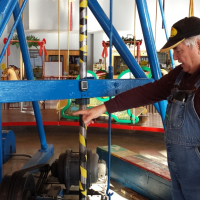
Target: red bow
[{"x": 42, "y": 45}]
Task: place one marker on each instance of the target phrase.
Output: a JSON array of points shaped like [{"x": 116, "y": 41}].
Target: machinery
[{"x": 52, "y": 181}]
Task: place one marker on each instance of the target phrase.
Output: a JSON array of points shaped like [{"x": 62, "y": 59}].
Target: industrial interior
[{"x": 59, "y": 56}]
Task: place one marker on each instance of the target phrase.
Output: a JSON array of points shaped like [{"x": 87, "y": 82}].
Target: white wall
[
  {"x": 52, "y": 40},
  {"x": 123, "y": 17},
  {"x": 44, "y": 15},
  {"x": 25, "y": 18},
  {"x": 174, "y": 11}
]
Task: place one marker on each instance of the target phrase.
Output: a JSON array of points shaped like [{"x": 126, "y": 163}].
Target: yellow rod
[
  {"x": 191, "y": 8},
  {"x": 135, "y": 10},
  {"x": 68, "y": 34},
  {"x": 59, "y": 50},
  {"x": 156, "y": 21}
]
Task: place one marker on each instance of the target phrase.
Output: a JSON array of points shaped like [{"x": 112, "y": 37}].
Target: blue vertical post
[
  {"x": 109, "y": 120},
  {"x": 1, "y": 150},
  {"x": 165, "y": 26},
  {"x": 117, "y": 41},
  {"x": 29, "y": 73},
  {"x": 111, "y": 41},
  {"x": 150, "y": 46}
]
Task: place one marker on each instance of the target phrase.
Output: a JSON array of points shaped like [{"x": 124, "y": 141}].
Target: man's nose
[{"x": 175, "y": 56}]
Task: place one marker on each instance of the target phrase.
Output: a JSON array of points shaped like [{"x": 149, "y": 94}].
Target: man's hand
[{"x": 91, "y": 113}]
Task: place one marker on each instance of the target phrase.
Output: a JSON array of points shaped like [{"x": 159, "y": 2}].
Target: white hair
[{"x": 190, "y": 42}]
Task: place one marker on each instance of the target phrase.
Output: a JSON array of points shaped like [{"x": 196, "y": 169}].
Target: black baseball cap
[{"x": 185, "y": 28}]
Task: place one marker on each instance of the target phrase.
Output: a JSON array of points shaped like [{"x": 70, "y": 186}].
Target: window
[
  {"x": 36, "y": 63},
  {"x": 73, "y": 65}
]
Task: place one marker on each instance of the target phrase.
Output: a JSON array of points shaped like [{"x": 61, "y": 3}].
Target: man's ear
[{"x": 198, "y": 44}]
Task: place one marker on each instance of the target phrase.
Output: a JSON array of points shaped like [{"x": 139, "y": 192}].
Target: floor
[
  {"x": 25, "y": 113},
  {"x": 67, "y": 137}
]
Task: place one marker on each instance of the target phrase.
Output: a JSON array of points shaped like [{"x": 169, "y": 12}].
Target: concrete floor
[{"x": 66, "y": 137}]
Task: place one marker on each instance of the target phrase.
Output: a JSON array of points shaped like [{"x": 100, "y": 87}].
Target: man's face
[{"x": 189, "y": 57}]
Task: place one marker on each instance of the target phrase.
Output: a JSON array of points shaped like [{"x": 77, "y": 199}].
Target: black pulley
[
  {"x": 14, "y": 188},
  {"x": 66, "y": 168}
]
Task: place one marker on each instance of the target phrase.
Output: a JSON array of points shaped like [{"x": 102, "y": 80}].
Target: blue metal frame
[
  {"x": 148, "y": 38},
  {"x": 40, "y": 157},
  {"x": 29, "y": 74},
  {"x": 165, "y": 26},
  {"x": 8, "y": 144},
  {"x": 6, "y": 11},
  {"x": 52, "y": 90},
  {"x": 26, "y": 89},
  {"x": 22, "y": 40}
]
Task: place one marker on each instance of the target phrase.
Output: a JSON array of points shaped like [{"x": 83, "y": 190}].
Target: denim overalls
[{"x": 182, "y": 139}]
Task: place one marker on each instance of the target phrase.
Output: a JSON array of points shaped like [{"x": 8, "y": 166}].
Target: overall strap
[
  {"x": 197, "y": 84},
  {"x": 179, "y": 78}
]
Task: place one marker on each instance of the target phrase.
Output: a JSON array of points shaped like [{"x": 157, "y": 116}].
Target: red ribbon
[
  {"x": 71, "y": 16},
  {"x": 8, "y": 48},
  {"x": 42, "y": 46},
  {"x": 105, "y": 51}
]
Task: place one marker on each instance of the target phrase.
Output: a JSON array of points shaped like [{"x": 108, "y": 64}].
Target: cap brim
[{"x": 170, "y": 45}]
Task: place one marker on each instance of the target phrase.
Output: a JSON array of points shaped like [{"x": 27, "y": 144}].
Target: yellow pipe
[
  {"x": 191, "y": 8},
  {"x": 59, "y": 50}
]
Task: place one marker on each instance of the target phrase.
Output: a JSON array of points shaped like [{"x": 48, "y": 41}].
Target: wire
[
  {"x": 109, "y": 122},
  {"x": 20, "y": 154},
  {"x": 156, "y": 21}
]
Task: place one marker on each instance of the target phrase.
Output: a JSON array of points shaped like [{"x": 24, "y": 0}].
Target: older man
[{"x": 181, "y": 88}]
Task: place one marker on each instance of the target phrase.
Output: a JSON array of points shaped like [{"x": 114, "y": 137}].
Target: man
[{"x": 181, "y": 88}]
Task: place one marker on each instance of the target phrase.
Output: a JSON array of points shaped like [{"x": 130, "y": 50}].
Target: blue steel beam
[
  {"x": 165, "y": 26},
  {"x": 17, "y": 19},
  {"x": 151, "y": 48},
  {"x": 64, "y": 89},
  {"x": 1, "y": 150},
  {"x": 6, "y": 10},
  {"x": 29, "y": 73},
  {"x": 148, "y": 38},
  {"x": 40, "y": 157},
  {"x": 5, "y": 14},
  {"x": 117, "y": 41},
  {"x": 109, "y": 120}
]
